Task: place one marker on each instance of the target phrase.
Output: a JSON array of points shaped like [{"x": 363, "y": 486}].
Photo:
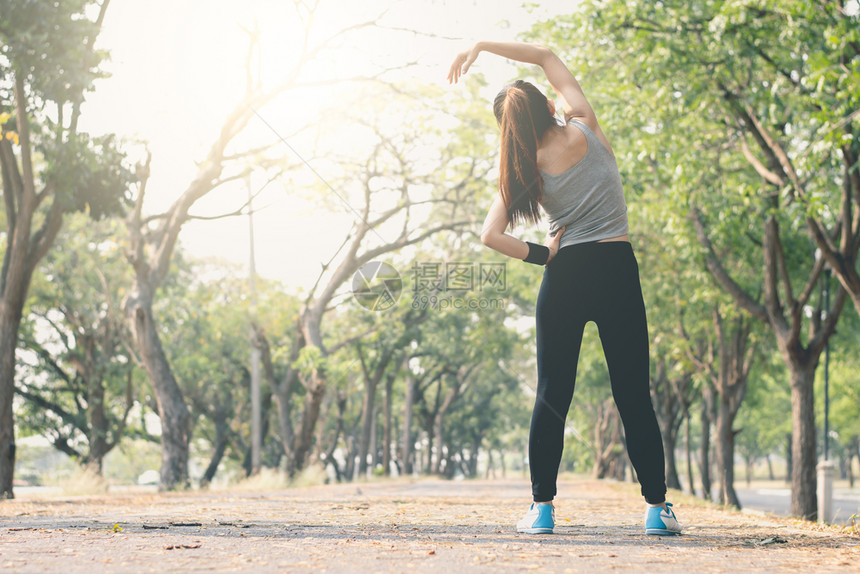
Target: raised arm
[{"x": 573, "y": 101}]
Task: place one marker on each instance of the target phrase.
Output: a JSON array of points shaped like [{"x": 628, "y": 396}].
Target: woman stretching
[{"x": 591, "y": 273}]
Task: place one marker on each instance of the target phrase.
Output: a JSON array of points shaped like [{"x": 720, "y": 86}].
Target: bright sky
[{"x": 177, "y": 69}]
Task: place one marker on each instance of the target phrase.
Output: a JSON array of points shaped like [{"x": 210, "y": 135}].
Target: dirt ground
[{"x": 402, "y": 526}]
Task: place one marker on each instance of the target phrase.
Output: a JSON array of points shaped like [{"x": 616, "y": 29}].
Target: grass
[{"x": 81, "y": 482}]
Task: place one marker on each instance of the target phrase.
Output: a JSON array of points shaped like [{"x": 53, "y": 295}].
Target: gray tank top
[{"x": 587, "y": 198}]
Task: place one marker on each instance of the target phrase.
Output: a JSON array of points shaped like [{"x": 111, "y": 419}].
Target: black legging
[{"x": 594, "y": 282}]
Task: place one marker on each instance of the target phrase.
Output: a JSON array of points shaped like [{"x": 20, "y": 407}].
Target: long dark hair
[{"x": 523, "y": 116}]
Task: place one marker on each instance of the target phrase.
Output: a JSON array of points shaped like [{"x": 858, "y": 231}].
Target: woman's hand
[
  {"x": 552, "y": 242},
  {"x": 462, "y": 63}
]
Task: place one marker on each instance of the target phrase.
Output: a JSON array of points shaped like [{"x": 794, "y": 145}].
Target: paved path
[
  {"x": 846, "y": 503},
  {"x": 422, "y": 526}
]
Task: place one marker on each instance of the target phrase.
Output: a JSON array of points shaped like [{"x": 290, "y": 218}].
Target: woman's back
[{"x": 582, "y": 188}]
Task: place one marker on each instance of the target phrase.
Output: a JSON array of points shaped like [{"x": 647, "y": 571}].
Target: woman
[{"x": 591, "y": 273}]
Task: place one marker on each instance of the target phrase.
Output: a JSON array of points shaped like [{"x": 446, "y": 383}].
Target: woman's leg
[
  {"x": 559, "y": 327},
  {"x": 624, "y": 335}
]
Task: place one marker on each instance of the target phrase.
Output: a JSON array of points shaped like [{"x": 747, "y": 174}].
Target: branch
[
  {"x": 783, "y": 271},
  {"x": 12, "y": 187},
  {"x": 771, "y": 288},
  {"x": 134, "y": 222},
  {"x": 817, "y": 268},
  {"x": 767, "y": 174},
  {"x": 12, "y": 184},
  {"x": 816, "y": 345},
  {"x": 403, "y": 241},
  {"x": 48, "y": 358},
  {"x": 129, "y": 403},
  {"x": 377, "y": 78},
  {"x": 46, "y": 192},
  {"x": 364, "y": 370},
  {"x": 355, "y": 338},
  {"x": 775, "y": 148},
  {"x": 44, "y": 238},
  {"x": 91, "y": 41},
  {"x": 718, "y": 272},
  {"x": 852, "y": 183},
  {"x": 61, "y": 443},
  {"x": 256, "y": 151},
  {"x": 28, "y": 190},
  {"x": 325, "y": 267},
  {"x": 239, "y": 210},
  {"x": 67, "y": 417}
]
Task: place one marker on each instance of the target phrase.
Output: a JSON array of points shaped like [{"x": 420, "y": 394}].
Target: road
[
  {"x": 846, "y": 503},
  {"x": 387, "y": 527}
]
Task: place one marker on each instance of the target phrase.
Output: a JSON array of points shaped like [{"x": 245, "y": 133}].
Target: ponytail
[{"x": 523, "y": 116}]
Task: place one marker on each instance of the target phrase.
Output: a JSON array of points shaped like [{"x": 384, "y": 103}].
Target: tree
[
  {"x": 390, "y": 346},
  {"x": 77, "y": 375},
  {"x": 153, "y": 238},
  {"x": 204, "y": 310},
  {"x": 49, "y": 168},
  {"x": 725, "y": 358},
  {"x": 761, "y": 422},
  {"x": 843, "y": 392},
  {"x": 386, "y": 188}
]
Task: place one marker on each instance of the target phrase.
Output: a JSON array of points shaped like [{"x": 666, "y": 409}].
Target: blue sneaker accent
[
  {"x": 540, "y": 519},
  {"x": 661, "y": 522}
]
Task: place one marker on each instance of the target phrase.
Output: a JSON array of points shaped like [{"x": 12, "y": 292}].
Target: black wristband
[{"x": 538, "y": 254}]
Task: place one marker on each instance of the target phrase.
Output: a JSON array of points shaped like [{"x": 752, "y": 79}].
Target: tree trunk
[
  {"x": 281, "y": 390},
  {"x": 726, "y": 453},
  {"x": 9, "y": 323},
  {"x": 788, "y": 462},
  {"x": 689, "y": 453},
  {"x": 439, "y": 428},
  {"x": 328, "y": 457},
  {"x": 304, "y": 439},
  {"x": 770, "y": 474},
  {"x": 98, "y": 427},
  {"x": 374, "y": 441},
  {"x": 672, "y": 480},
  {"x": 217, "y": 453},
  {"x": 430, "y": 432},
  {"x": 283, "y": 404},
  {"x": 804, "y": 500},
  {"x": 349, "y": 470},
  {"x": 408, "y": 442},
  {"x": 705, "y": 451},
  {"x": 439, "y": 434},
  {"x": 473, "y": 457},
  {"x": 265, "y": 406},
  {"x": 850, "y": 471},
  {"x": 20, "y": 258},
  {"x": 608, "y": 432},
  {"x": 669, "y": 404},
  {"x": 386, "y": 434},
  {"x": 175, "y": 419},
  {"x": 854, "y": 452},
  {"x": 368, "y": 419}
]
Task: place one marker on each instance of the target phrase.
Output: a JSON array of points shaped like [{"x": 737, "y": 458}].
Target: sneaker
[
  {"x": 540, "y": 519},
  {"x": 661, "y": 522}
]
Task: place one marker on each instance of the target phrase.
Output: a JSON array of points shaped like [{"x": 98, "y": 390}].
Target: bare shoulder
[{"x": 591, "y": 121}]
